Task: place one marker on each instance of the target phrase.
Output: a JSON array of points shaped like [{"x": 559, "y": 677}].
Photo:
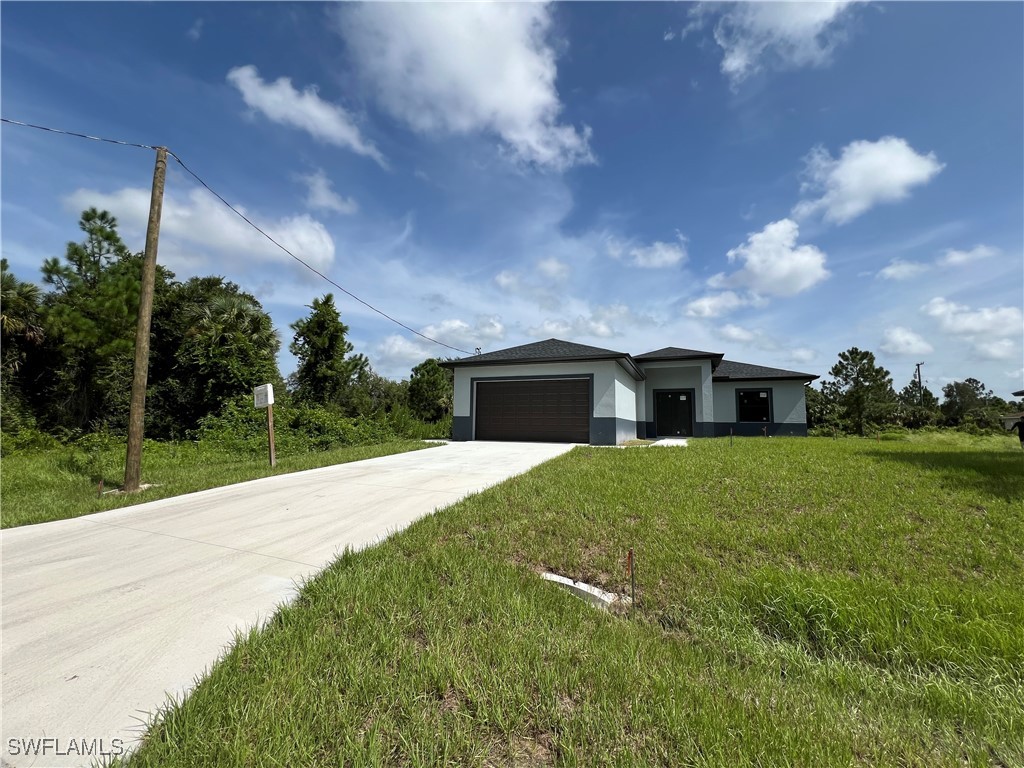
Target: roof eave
[
  {"x": 624, "y": 360},
  {"x": 800, "y": 377}
]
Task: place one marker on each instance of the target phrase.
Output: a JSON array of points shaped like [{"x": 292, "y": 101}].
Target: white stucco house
[{"x": 559, "y": 391}]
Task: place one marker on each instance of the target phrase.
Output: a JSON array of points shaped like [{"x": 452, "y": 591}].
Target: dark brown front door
[
  {"x": 673, "y": 414},
  {"x": 545, "y": 410}
]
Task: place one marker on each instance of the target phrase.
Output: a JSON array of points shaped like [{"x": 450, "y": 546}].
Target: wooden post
[
  {"x": 137, "y": 409},
  {"x": 270, "y": 434}
]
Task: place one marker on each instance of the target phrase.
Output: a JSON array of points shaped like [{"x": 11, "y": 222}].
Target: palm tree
[{"x": 19, "y": 316}]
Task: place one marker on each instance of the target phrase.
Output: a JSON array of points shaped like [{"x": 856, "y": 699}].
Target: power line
[
  {"x": 79, "y": 135},
  {"x": 308, "y": 266},
  {"x": 244, "y": 218}
]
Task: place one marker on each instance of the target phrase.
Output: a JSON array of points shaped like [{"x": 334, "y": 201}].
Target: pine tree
[{"x": 327, "y": 371}]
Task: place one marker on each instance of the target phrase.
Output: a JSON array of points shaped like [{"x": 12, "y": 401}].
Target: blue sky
[{"x": 777, "y": 182}]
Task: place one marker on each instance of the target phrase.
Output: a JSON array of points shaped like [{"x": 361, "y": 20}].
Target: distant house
[
  {"x": 558, "y": 391},
  {"x": 1010, "y": 419}
]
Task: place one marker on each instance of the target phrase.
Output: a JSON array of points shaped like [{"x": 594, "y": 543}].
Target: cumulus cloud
[
  {"x": 397, "y": 352},
  {"x": 465, "y": 67},
  {"x": 773, "y": 263},
  {"x": 602, "y": 321},
  {"x": 281, "y": 103},
  {"x": 962, "y": 320},
  {"x": 996, "y": 349},
  {"x": 656, "y": 255},
  {"x": 715, "y": 305},
  {"x": 903, "y": 341},
  {"x": 551, "y": 268},
  {"x": 866, "y": 174},
  {"x": 198, "y": 222},
  {"x": 736, "y": 333},
  {"x": 321, "y": 195},
  {"x": 758, "y": 36},
  {"x": 957, "y": 258},
  {"x": 898, "y": 269},
  {"x": 459, "y": 333},
  {"x": 801, "y": 355},
  {"x": 507, "y": 280}
]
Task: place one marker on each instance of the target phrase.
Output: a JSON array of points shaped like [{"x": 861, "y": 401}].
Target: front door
[{"x": 673, "y": 414}]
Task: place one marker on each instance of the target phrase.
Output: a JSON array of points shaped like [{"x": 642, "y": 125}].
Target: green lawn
[
  {"x": 801, "y": 602},
  {"x": 53, "y": 484}
]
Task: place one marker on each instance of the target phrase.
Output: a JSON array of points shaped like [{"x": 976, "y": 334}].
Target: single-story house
[
  {"x": 1011, "y": 418},
  {"x": 558, "y": 391}
]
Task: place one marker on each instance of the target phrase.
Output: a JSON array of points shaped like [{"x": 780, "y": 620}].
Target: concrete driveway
[{"x": 106, "y": 615}]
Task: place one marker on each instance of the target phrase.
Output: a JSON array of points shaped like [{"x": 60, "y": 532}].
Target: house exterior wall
[
  {"x": 613, "y": 395},
  {"x": 789, "y": 407},
  {"x": 680, "y": 374}
]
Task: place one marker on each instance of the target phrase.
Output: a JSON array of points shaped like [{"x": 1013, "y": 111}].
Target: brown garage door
[{"x": 548, "y": 410}]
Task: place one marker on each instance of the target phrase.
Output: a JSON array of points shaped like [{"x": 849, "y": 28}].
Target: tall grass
[
  {"x": 61, "y": 481},
  {"x": 801, "y": 602}
]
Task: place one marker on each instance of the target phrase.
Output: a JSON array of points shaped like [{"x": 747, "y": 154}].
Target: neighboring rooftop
[{"x": 729, "y": 370}]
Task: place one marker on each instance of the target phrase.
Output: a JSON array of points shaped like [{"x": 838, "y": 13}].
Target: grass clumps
[{"x": 801, "y": 602}]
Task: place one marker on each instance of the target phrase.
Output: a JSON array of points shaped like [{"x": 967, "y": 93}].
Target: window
[{"x": 754, "y": 405}]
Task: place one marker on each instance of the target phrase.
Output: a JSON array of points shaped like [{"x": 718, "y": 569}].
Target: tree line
[
  {"x": 67, "y": 349},
  {"x": 859, "y": 398}
]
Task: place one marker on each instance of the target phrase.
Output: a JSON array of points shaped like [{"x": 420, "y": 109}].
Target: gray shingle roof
[
  {"x": 676, "y": 353},
  {"x": 729, "y": 370},
  {"x": 552, "y": 349},
  {"x": 557, "y": 350}
]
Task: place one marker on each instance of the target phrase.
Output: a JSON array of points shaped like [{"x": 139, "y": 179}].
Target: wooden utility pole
[
  {"x": 137, "y": 411},
  {"x": 920, "y": 386}
]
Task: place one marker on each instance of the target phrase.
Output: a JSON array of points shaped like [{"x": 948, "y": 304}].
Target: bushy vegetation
[
  {"x": 801, "y": 602},
  {"x": 67, "y": 357},
  {"x": 859, "y": 399}
]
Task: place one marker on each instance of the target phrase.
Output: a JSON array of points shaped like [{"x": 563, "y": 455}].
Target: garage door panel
[{"x": 549, "y": 410}]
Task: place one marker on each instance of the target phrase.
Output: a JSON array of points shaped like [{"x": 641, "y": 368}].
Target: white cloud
[
  {"x": 955, "y": 258},
  {"x": 903, "y": 341},
  {"x": 898, "y": 269},
  {"x": 552, "y": 268},
  {"x": 581, "y": 326},
  {"x": 459, "y": 333},
  {"x": 866, "y": 174},
  {"x": 507, "y": 280},
  {"x": 767, "y": 35},
  {"x": 657, "y": 255},
  {"x": 737, "y": 334},
  {"x": 196, "y": 30},
  {"x": 320, "y": 194},
  {"x": 281, "y": 103},
  {"x": 801, "y": 355},
  {"x": 962, "y": 320},
  {"x": 394, "y": 352},
  {"x": 773, "y": 264},
  {"x": 715, "y": 305},
  {"x": 198, "y": 223},
  {"x": 996, "y": 349},
  {"x": 465, "y": 67}
]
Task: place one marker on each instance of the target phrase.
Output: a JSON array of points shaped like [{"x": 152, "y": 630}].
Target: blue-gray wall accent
[
  {"x": 610, "y": 430},
  {"x": 740, "y": 429},
  {"x": 462, "y": 428},
  {"x": 753, "y": 429},
  {"x": 700, "y": 429}
]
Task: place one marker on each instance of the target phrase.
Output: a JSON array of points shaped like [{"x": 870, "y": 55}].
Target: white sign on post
[{"x": 263, "y": 395}]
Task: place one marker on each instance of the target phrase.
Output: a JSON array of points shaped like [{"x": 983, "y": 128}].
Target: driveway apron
[{"x": 106, "y": 616}]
